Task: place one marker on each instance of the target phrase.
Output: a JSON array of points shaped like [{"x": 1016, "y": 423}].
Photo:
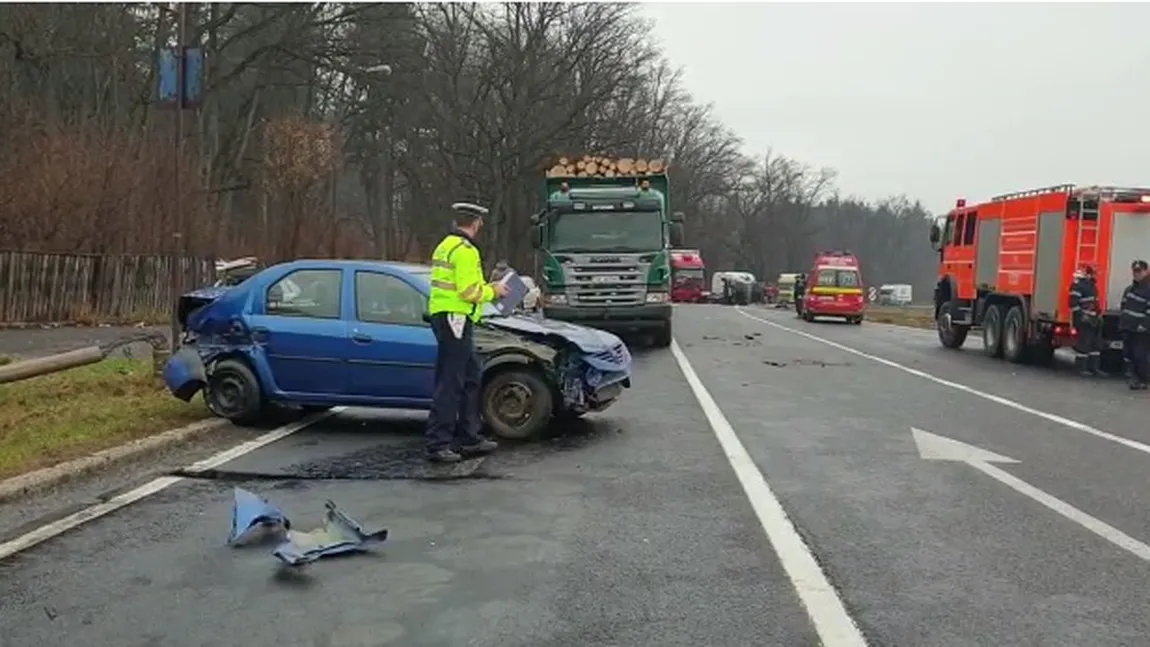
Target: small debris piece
[
  {"x": 254, "y": 519},
  {"x": 340, "y": 534}
]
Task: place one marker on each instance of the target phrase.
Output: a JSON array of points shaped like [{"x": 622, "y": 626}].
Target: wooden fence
[{"x": 41, "y": 287}]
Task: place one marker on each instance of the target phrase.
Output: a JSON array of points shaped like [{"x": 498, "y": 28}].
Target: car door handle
[{"x": 360, "y": 338}]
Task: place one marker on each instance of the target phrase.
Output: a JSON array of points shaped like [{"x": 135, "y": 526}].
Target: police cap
[
  {"x": 1139, "y": 266},
  {"x": 466, "y": 212}
]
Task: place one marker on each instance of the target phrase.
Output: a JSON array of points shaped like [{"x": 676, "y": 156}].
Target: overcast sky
[{"x": 936, "y": 101}]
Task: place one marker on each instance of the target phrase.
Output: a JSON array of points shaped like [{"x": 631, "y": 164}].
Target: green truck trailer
[{"x": 603, "y": 250}]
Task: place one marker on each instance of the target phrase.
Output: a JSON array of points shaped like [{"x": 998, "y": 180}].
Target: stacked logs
[{"x": 597, "y": 166}]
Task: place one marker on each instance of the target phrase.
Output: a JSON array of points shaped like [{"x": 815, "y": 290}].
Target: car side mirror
[
  {"x": 537, "y": 236},
  {"x": 676, "y": 234},
  {"x": 935, "y": 236}
]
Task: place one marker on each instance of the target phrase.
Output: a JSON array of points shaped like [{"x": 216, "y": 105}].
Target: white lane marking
[
  {"x": 824, "y": 607},
  {"x": 76, "y": 519},
  {"x": 1017, "y": 406}
]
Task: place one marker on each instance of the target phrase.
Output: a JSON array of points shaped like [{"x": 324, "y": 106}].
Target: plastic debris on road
[
  {"x": 339, "y": 534},
  {"x": 254, "y": 520}
]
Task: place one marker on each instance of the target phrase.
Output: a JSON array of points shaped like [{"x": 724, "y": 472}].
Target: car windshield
[
  {"x": 423, "y": 277},
  {"x": 607, "y": 231}
]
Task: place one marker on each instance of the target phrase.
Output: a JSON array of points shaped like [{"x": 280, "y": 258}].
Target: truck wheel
[
  {"x": 992, "y": 332},
  {"x": 516, "y": 403},
  {"x": 663, "y": 336},
  {"x": 1014, "y": 336},
  {"x": 233, "y": 392},
  {"x": 950, "y": 335}
]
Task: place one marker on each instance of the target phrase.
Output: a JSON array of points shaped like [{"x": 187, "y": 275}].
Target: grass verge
[
  {"x": 53, "y": 418},
  {"x": 910, "y": 317}
]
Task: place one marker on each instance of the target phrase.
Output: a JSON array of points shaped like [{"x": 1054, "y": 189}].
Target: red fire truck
[
  {"x": 1006, "y": 266},
  {"x": 687, "y": 281},
  {"x": 834, "y": 288}
]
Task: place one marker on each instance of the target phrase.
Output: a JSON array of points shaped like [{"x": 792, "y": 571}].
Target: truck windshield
[
  {"x": 614, "y": 231},
  {"x": 837, "y": 279},
  {"x": 688, "y": 272}
]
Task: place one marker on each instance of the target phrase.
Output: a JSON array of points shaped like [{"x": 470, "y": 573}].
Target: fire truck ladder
[{"x": 1086, "y": 248}]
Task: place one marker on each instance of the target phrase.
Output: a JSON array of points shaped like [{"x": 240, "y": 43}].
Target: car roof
[{"x": 355, "y": 264}]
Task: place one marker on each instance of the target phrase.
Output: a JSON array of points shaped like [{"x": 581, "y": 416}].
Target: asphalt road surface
[{"x": 760, "y": 485}]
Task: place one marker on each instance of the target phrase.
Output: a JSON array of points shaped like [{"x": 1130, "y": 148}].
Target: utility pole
[{"x": 179, "y": 242}]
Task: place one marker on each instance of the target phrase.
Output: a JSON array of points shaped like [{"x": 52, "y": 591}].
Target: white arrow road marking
[{"x": 939, "y": 448}]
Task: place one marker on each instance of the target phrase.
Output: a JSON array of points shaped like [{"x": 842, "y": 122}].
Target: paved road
[
  {"x": 37, "y": 342},
  {"x": 636, "y": 527}
]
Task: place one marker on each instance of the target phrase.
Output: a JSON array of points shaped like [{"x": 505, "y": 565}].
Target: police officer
[
  {"x": 1087, "y": 320},
  {"x": 1135, "y": 326},
  {"x": 458, "y": 293}
]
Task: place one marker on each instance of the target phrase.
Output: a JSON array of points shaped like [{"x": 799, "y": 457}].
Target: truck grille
[{"x": 606, "y": 284}]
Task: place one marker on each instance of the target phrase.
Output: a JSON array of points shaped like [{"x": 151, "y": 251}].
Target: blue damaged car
[{"x": 313, "y": 334}]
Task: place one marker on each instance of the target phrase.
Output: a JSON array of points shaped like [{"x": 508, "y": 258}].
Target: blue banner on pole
[{"x": 168, "y": 77}]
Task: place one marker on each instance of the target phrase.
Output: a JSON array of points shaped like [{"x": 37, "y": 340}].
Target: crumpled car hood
[{"x": 589, "y": 340}]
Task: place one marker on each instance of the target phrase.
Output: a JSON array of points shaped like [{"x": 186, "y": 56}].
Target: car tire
[
  {"x": 808, "y": 317},
  {"x": 855, "y": 320},
  {"x": 233, "y": 392},
  {"x": 992, "y": 332},
  {"x": 663, "y": 336},
  {"x": 950, "y": 335},
  {"x": 1014, "y": 336},
  {"x": 517, "y": 404}
]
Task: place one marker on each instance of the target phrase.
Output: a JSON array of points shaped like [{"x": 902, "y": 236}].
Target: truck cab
[
  {"x": 604, "y": 250},
  {"x": 688, "y": 283}
]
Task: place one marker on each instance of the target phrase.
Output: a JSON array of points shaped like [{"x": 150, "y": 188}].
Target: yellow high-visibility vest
[{"x": 457, "y": 283}]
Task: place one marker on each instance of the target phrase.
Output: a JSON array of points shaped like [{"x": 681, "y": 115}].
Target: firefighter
[
  {"x": 1086, "y": 318},
  {"x": 800, "y": 289},
  {"x": 458, "y": 293},
  {"x": 1135, "y": 327}
]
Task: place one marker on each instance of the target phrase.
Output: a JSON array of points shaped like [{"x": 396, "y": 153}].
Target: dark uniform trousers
[
  {"x": 1136, "y": 349},
  {"x": 1088, "y": 344},
  {"x": 454, "y": 418}
]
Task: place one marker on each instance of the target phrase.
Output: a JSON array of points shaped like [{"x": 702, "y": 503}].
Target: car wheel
[
  {"x": 950, "y": 335},
  {"x": 663, "y": 336},
  {"x": 992, "y": 332},
  {"x": 1014, "y": 336},
  {"x": 233, "y": 392},
  {"x": 517, "y": 403}
]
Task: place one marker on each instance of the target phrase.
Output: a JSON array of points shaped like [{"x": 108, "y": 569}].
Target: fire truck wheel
[
  {"x": 992, "y": 331},
  {"x": 950, "y": 335},
  {"x": 1014, "y": 336}
]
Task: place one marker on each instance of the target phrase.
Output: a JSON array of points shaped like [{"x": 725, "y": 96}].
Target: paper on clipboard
[{"x": 516, "y": 292}]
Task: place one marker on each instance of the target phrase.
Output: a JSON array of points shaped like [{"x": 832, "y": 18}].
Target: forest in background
[{"x": 303, "y": 146}]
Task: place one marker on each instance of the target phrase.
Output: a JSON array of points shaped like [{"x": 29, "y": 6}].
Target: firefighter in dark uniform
[
  {"x": 1087, "y": 320},
  {"x": 800, "y": 290},
  {"x": 455, "y": 304},
  {"x": 1134, "y": 322}
]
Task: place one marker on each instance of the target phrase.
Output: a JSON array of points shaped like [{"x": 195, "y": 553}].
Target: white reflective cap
[{"x": 467, "y": 207}]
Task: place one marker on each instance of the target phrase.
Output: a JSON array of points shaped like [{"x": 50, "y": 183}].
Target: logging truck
[{"x": 603, "y": 237}]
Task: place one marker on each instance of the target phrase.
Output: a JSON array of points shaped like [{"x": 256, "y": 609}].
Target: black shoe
[
  {"x": 479, "y": 449},
  {"x": 1138, "y": 386},
  {"x": 444, "y": 456}
]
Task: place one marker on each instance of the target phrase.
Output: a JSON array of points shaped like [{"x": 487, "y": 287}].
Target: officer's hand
[{"x": 501, "y": 290}]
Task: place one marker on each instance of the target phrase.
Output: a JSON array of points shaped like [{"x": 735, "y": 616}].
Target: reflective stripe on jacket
[
  {"x": 1083, "y": 300},
  {"x": 1135, "y": 308},
  {"x": 457, "y": 283}
]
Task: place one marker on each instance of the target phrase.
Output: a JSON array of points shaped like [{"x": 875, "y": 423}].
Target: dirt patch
[{"x": 911, "y": 317}]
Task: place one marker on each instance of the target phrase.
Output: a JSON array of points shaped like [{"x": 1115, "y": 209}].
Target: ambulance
[{"x": 834, "y": 288}]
